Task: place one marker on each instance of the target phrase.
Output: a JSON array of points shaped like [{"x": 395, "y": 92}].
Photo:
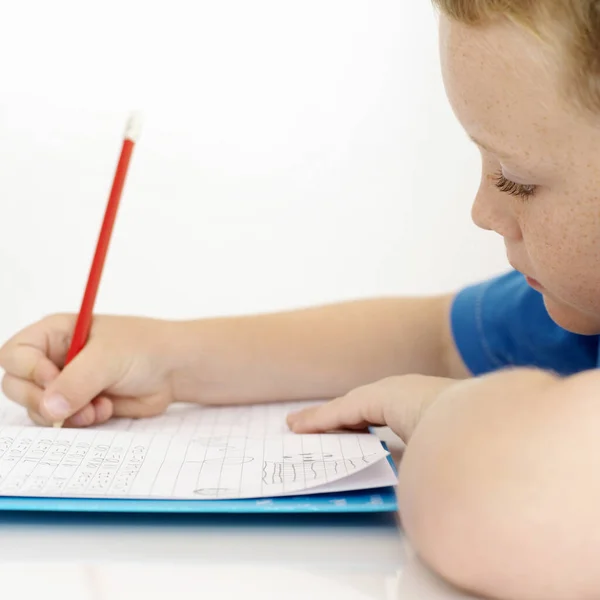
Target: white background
[{"x": 293, "y": 153}]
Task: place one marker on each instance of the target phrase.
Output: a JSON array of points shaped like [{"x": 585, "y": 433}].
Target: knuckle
[
  {"x": 61, "y": 321},
  {"x": 394, "y": 379},
  {"x": 409, "y": 379},
  {"x": 38, "y": 375},
  {"x": 54, "y": 318},
  {"x": 64, "y": 341},
  {"x": 31, "y": 373},
  {"x": 355, "y": 394}
]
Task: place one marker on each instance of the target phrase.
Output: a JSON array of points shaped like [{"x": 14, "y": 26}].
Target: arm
[
  {"x": 313, "y": 353},
  {"x": 500, "y": 485}
]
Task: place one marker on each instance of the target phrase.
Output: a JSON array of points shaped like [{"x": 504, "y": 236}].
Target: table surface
[{"x": 98, "y": 557}]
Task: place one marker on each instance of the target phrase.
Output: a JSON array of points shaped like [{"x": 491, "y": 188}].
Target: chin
[{"x": 572, "y": 319}]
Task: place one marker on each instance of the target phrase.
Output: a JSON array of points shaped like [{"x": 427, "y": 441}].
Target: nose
[{"x": 493, "y": 211}]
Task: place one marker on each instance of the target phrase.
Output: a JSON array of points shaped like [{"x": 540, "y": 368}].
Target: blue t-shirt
[{"x": 503, "y": 322}]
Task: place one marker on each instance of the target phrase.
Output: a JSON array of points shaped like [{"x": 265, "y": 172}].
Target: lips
[{"x": 534, "y": 283}]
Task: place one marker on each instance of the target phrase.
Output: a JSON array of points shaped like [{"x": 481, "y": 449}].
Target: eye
[{"x": 514, "y": 189}]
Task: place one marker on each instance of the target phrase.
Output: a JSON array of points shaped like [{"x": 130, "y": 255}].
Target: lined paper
[{"x": 121, "y": 464}]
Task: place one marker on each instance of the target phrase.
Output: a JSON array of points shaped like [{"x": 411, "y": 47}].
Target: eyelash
[{"x": 514, "y": 189}]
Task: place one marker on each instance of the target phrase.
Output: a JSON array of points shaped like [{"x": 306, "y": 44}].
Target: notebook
[{"x": 192, "y": 459}]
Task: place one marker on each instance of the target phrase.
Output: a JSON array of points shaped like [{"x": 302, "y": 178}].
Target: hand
[
  {"x": 398, "y": 402},
  {"x": 123, "y": 371}
]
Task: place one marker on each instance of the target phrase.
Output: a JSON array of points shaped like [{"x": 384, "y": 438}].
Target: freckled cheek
[{"x": 565, "y": 258}]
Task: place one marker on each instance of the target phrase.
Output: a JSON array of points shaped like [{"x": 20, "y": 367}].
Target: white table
[{"x": 77, "y": 557}]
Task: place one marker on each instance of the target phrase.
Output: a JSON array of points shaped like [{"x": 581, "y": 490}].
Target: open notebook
[{"x": 192, "y": 459}]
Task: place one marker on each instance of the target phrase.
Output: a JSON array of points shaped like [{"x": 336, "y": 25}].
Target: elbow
[
  {"x": 510, "y": 511},
  {"x": 458, "y": 545}
]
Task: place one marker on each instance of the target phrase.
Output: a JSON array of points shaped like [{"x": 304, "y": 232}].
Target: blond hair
[{"x": 571, "y": 26}]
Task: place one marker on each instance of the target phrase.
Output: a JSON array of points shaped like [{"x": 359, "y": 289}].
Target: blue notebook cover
[{"x": 361, "y": 501}]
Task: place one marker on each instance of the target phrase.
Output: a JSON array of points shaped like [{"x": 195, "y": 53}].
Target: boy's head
[{"x": 523, "y": 78}]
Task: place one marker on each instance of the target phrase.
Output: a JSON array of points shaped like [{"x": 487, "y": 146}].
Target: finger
[
  {"x": 137, "y": 408},
  {"x": 104, "y": 408},
  {"x": 28, "y": 395},
  {"x": 37, "y": 418},
  {"x": 22, "y": 392},
  {"x": 82, "y": 418},
  {"x": 356, "y": 410},
  {"x": 29, "y": 362},
  {"x": 98, "y": 411},
  {"x": 51, "y": 336},
  {"x": 59, "y": 333},
  {"x": 89, "y": 374}
]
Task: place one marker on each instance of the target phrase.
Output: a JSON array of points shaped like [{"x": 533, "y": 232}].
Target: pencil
[{"x": 85, "y": 316}]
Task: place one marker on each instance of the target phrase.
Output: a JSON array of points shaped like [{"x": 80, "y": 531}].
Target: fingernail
[{"x": 56, "y": 406}]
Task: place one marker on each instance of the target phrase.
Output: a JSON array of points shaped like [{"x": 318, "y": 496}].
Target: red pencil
[{"x": 84, "y": 319}]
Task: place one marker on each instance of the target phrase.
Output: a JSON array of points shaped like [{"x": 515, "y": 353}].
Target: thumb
[{"x": 82, "y": 380}]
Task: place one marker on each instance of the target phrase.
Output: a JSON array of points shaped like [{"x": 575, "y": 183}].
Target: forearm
[
  {"x": 314, "y": 353},
  {"x": 500, "y": 485}
]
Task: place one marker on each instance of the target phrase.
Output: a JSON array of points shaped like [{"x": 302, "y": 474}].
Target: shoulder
[{"x": 503, "y": 322}]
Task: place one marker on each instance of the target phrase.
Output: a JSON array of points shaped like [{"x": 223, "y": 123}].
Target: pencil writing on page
[{"x": 85, "y": 316}]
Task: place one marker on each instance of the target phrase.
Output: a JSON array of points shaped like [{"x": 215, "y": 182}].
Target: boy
[{"x": 494, "y": 390}]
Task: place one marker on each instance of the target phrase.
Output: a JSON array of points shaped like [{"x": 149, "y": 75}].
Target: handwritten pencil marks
[{"x": 188, "y": 453}]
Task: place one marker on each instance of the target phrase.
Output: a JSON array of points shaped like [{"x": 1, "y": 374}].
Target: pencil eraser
[{"x": 134, "y": 126}]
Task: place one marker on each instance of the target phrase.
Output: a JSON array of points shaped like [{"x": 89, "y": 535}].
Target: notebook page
[
  {"x": 47, "y": 462},
  {"x": 255, "y": 419}
]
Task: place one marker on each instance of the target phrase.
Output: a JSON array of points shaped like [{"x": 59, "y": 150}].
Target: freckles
[
  {"x": 585, "y": 216},
  {"x": 569, "y": 247}
]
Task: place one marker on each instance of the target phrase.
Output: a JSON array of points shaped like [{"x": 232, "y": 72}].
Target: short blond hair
[{"x": 571, "y": 26}]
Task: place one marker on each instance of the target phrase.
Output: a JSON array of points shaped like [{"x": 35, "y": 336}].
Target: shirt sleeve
[{"x": 503, "y": 322}]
